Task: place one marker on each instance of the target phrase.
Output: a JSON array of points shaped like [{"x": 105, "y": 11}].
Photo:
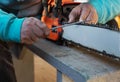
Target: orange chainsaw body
[{"x": 51, "y": 21}]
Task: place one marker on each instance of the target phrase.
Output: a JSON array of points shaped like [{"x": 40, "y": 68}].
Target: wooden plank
[
  {"x": 43, "y": 72},
  {"x": 24, "y": 68},
  {"x": 76, "y": 63},
  {"x": 66, "y": 79}
]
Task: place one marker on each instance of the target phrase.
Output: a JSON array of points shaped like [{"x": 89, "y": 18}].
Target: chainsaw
[{"x": 103, "y": 39}]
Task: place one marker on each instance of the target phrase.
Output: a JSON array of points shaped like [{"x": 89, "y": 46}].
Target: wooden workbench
[{"x": 77, "y": 65}]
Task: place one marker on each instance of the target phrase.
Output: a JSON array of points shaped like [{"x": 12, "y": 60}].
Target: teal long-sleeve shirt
[
  {"x": 10, "y": 27},
  {"x": 106, "y": 9}
]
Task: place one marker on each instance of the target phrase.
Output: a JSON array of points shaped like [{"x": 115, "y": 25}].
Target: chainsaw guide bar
[{"x": 99, "y": 38}]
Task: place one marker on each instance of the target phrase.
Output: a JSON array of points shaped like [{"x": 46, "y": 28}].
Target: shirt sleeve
[
  {"x": 10, "y": 27},
  {"x": 106, "y": 9}
]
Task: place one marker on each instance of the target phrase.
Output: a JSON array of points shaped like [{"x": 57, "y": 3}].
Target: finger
[
  {"x": 39, "y": 23},
  {"x": 47, "y": 31},
  {"x": 85, "y": 11},
  {"x": 39, "y": 26},
  {"x": 38, "y": 32},
  {"x": 95, "y": 17},
  {"x": 26, "y": 39},
  {"x": 43, "y": 27},
  {"x": 92, "y": 18},
  {"x": 71, "y": 17},
  {"x": 33, "y": 36},
  {"x": 74, "y": 13}
]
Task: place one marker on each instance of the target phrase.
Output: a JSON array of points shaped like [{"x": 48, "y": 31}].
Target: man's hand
[
  {"x": 84, "y": 13},
  {"x": 32, "y": 30}
]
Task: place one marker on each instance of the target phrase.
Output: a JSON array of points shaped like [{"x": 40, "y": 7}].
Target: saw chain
[{"x": 103, "y": 26}]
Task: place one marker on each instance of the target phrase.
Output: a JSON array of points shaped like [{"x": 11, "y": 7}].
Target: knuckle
[
  {"x": 28, "y": 24},
  {"x": 44, "y": 25},
  {"x": 31, "y": 18},
  {"x": 26, "y": 30},
  {"x": 47, "y": 33},
  {"x": 25, "y": 38},
  {"x": 36, "y": 39},
  {"x": 41, "y": 34}
]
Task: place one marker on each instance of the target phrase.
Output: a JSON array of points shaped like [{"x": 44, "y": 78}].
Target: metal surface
[
  {"x": 65, "y": 25},
  {"x": 99, "y": 39},
  {"x": 59, "y": 76},
  {"x": 76, "y": 63},
  {"x": 65, "y": 69}
]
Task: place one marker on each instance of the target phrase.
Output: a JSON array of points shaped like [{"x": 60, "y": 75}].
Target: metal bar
[
  {"x": 59, "y": 76},
  {"x": 68, "y": 24},
  {"x": 57, "y": 64}
]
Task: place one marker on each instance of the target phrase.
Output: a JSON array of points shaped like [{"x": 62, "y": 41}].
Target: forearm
[
  {"x": 106, "y": 9},
  {"x": 10, "y": 27}
]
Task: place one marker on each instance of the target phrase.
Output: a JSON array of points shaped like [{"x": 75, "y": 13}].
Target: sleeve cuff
[{"x": 15, "y": 30}]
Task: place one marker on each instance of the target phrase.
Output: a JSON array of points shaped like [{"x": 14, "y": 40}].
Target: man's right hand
[{"x": 32, "y": 30}]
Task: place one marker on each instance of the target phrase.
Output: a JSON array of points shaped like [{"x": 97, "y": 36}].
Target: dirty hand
[
  {"x": 32, "y": 30},
  {"x": 85, "y": 12}
]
